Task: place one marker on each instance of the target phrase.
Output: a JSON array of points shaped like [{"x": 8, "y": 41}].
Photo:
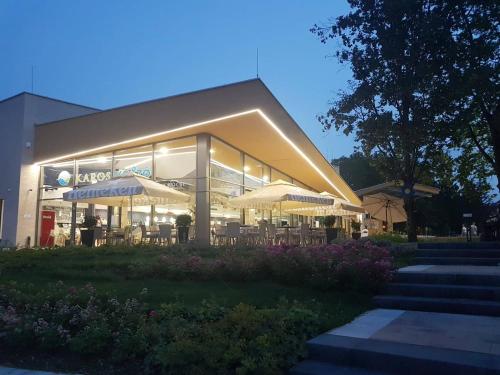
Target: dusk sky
[{"x": 111, "y": 53}]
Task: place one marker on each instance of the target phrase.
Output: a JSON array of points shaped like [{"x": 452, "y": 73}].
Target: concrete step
[
  {"x": 489, "y": 293},
  {"x": 447, "y": 278},
  {"x": 400, "y": 358},
  {"x": 324, "y": 368},
  {"x": 446, "y": 305},
  {"x": 458, "y": 245},
  {"x": 459, "y": 253},
  {"x": 457, "y": 261}
]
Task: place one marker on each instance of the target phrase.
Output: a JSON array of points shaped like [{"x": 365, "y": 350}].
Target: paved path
[
  {"x": 452, "y": 269},
  {"x": 448, "y": 331},
  {"x": 17, "y": 371}
]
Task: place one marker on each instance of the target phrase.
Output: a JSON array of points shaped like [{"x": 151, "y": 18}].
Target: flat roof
[
  {"x": 394, "y": 188},
  {"x": 244, "y": 114}
]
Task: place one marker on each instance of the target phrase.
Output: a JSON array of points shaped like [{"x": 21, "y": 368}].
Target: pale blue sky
[{"x": 111, "y": 53}]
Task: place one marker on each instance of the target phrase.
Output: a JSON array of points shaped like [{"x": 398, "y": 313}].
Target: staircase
[
  {"x": 429, "y": 320},
  {"x": 466, "y": 280}
]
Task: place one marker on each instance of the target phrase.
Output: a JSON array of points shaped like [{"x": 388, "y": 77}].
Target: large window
[
  {"x": 226, "y": 182},
  {"x": 175, "y": 167},
  {"x": 256, "y": 173},
  {"x": 226, "y": 163}
]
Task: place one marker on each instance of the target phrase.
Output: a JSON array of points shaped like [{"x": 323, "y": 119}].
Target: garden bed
[{"x": 179, "y": 310}]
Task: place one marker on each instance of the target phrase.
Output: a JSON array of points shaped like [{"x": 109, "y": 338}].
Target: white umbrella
[
  {"x": 341, "y": 207},
  {"x": 385, "y": 207},
  {"x": 280, "y": 194},
  {"x": 133, "y": 190}
]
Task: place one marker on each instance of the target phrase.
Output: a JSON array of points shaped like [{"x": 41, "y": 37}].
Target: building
[{"x": 212, "y": 144}]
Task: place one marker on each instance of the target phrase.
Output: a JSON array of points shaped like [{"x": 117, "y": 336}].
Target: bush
[
  {"x": 359, "y": 265},
  {"x": 183, "y": 220},
  {"x": 175, "y": 339},
  {"x": 353, "y": 265}
]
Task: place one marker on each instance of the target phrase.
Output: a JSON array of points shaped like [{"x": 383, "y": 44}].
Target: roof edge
[
  {"x": 47, "y": 98},
  {"x": 155, "y": 100}
]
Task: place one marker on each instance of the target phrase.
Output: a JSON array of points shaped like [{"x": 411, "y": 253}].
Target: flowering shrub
[
  {"x": 354, "y": 264},
  {"x": 173, "y": 339},
  {"x": 359, "y": 265}
]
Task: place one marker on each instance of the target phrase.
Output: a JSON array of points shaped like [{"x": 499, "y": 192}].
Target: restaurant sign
[{"x": 91, "y": 177}]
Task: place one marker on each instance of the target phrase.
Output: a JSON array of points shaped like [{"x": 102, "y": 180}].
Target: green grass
[{"x": 106, "y": 269}]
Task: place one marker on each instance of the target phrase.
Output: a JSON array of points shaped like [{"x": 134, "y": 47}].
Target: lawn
[{"x": 107, "y": 269}]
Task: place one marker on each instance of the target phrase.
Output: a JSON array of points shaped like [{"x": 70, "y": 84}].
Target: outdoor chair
[
  {"x": 305, "y": 234},
  {"x": 98, "y": 236},
  {"x": 262, "y": 233},
  {"x": 191, "y": 232},
  {"x": 295, "y": 236},
  {"x": 318, "y": 236},
  {"x": 251, "y": 235},
  {"x": 220, "y": 236},
  {"x": 271, "y": 233},
  {"x": 147, "y": 235},
  {"x": 233, "y": 233},
  {"x": 282, "y": 235},
  {"x": 165, "y": 233}
]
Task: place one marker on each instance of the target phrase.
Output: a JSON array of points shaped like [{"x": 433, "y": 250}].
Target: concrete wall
[{"x": 19, "y": 177}]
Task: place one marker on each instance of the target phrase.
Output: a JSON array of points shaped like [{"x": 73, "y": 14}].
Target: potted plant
[
  {"x": 356, "y": 229},
  {"x": 331, "y": 232},
  {"x": 182, "y": 223},
  {"x": 88, "y": 226}
]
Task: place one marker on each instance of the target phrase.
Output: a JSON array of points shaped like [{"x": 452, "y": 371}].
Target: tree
[
  {"x": 396, "y": 50},
  {"x": 358, "y": 171},
  {"x": 473, "y": 69},
  {"x": 441, "y": 214}
]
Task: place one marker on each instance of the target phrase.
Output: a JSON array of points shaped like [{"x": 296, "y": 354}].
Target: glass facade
[{"x": 172, "y": 163}]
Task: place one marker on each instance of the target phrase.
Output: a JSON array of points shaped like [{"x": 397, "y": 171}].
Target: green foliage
[
  {"x": 175, "y": 339},
  {"x": 329, "y": 221},
  {"x": 358, "y": 170},
  {"x": 183, "y": 220},
  {"x": 417, "y": 67},
  {"x": 89, "y": 222},
  {"x": 355, "y": 225}
]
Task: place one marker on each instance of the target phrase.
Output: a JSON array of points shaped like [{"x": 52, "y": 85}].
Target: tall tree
[
  {"x": 395, "y": 50},
  {"x": 473, "y": 69},
  {"x": 358, "y": 171}
]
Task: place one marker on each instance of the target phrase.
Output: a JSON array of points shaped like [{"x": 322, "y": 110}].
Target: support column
[
  {"x": 202, "y": 215},
  {"x": 72, "y": 234}
]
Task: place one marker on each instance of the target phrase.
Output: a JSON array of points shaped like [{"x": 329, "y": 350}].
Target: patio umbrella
[
  {"x": 341, "y": 207},
  {"x": 385, "y": 207},
  {"x": 280, "y": 194},
  {"x": 133, "y": 190}
]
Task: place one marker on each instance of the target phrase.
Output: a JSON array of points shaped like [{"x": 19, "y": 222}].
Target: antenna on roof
[
  {"x": 32, "y": 77},
  {"x": 257, "y": 62}
]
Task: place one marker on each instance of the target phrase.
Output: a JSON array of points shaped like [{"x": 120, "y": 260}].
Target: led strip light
[{"x": 199, "y": 124}]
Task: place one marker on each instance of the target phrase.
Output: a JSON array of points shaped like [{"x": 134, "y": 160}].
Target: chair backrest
[
  {"x": 233, "y": 229},
  {"x": 220, "y": 230},
  {"x": 126, "y": 232},
  {"x": 262, "y": 229},
  {"x": 165, "y": 230},
  {"x": 191, "y": 232},
  {"x": 98, "y": 233},
  {"x": 304, "y": 229},
  {"x": 143, "y": 230},
  {"x": 271, "y": 230}
]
